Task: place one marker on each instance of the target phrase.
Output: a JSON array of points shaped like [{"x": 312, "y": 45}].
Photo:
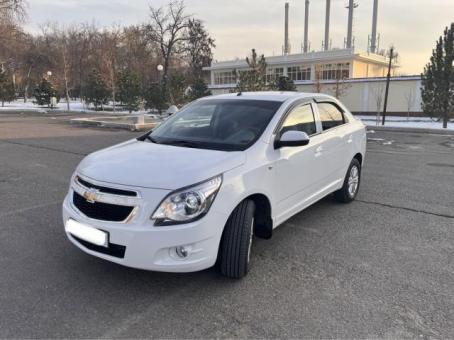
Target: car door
[
  {"x": 297, "y": 169},
  {"x": 337, "y": 140}
]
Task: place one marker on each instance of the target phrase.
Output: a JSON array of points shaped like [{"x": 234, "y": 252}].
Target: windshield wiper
[
  {"x": 184, "y": 143},
  {"x": 151, "y": 139}
]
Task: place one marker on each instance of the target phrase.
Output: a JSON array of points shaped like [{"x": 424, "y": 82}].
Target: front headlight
[{"x": 188, "y": 204}]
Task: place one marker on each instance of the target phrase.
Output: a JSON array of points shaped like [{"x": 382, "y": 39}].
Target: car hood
[{"x": 149, "y": 165}]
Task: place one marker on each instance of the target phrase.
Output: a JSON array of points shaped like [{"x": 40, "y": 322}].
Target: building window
[
  {"x": 221, "y": 78},
  {"x": 274, "y": 73},
  {"x": 299, "y": 73},
  {"x": 335, "y": 71}
]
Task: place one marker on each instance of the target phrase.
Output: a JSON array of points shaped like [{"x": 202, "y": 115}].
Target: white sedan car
[{"x": 194, "y": 192}]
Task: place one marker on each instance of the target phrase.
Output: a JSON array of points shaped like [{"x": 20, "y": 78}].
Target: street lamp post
[
  {"x": 53, "y": 100},
  {"x": 160, "y": 69}
]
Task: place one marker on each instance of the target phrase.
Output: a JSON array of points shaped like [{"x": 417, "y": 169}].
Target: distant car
[{"x": 193, "y": 192}]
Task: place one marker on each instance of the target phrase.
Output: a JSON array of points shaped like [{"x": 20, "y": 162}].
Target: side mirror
[{"x": 292, "y": 138}]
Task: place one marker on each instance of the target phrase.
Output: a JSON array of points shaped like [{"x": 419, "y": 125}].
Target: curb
[
  {"x": 112, "y": 125},
  {"x": 411, "y": 130}
]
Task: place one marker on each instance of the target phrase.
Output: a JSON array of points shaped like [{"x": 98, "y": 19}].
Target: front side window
[
  {"x": 330, "y": 115},
  {"x": 218, "y": 124},
  {"x": 300, "y": 118}
]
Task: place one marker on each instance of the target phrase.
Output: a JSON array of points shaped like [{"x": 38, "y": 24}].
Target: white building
[
  {"x": 361, "y": 77},
  {"x": 301, "y": 68}
]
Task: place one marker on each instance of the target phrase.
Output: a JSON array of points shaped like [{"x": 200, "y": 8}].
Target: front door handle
[{"x": 318, "y": 151}]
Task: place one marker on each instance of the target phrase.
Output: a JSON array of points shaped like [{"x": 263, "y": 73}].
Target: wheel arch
[
  {"x": 263, "y": 215},
  {"x": 359, "y": 157}
]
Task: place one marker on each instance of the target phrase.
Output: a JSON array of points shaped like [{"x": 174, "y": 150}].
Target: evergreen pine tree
[
  {"x": 155, "y": 97},
  {"x": 198, "y": 49},
  {"x": 198, "y": 90},
  {"x": 177, "y": 86},
  {"x": 283, "y": 83},
  {"x": 129, "y": 90},
  {"x": 44, "y": 92},
  {"x": 253, "y": 79},
  {"x": 7, "y": 93},
  {"x": 96, "y": 91},
  {"x": 437, "y": 89}
]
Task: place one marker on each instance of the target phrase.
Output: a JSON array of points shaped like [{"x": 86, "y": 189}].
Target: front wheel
[
  {"x": 352, "y": 180},
  {"x": 235, "y": 250}
]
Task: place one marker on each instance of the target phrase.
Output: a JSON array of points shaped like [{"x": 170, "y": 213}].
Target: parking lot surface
[{"x": 382, "y": 266}]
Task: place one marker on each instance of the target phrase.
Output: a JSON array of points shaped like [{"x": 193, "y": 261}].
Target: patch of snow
[
  {"x": 74, "y": 106},
  {"x": 404, "y": 122}
]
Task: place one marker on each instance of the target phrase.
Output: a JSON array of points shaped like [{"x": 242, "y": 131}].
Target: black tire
[
  {"x": 345, "y": 195},
  {"x": 234, "y": 253}
]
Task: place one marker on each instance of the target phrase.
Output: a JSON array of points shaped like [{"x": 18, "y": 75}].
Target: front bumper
[{"x": 139, "y": 244}]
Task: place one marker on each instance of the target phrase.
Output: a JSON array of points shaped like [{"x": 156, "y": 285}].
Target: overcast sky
[{"x": 239, "y": 25}]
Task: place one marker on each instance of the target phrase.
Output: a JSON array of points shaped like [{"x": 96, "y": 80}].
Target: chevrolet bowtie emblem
[{"x": 91, "y": 195}]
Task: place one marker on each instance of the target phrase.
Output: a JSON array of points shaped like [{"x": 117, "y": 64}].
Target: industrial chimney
[
  {"x": 351, "y": 7},
  {"x": 286, "y": 38},
  {"x": 373, "y": 39},
  {"x": 306, "y": 27},
  {"x": 328, "y": 10}
]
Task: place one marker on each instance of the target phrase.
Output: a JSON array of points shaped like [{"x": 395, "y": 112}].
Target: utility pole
[
  {"x": 351, "y": 6},
  {"x": 388, "y": 78},
  {"x": 373, "y": 38},
  {"x": 286, "y": 39},
  {"x": 306, "y": 27},
  {"x": 327, "y": 15}
]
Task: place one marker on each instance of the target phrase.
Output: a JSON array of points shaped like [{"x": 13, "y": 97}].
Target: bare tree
[
  {"x": 379, "y": 94},
  {"x": 110, "y": 40},
  {"x": 168, "y": 29},
  {"x": 409, "y": 99},
  {"x": 340, "y": 86},
  {"x": 65, "y": 60},
  {"x": 84, "y": 50},
  {"x": 139, "y": 56},
  {"x": 14, "y": 10},
  {"x": 318, "y": 78},
  {"x": 170, "y": 37}
]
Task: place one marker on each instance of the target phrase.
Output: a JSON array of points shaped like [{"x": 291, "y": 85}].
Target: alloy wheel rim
[{"x": 353, "y": 181}]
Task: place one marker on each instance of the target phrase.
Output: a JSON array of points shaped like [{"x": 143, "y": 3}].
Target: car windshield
[{"x": 219, "y": 124}]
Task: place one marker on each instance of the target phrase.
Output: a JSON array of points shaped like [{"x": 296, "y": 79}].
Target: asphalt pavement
[{"x": 382, "y": 266}]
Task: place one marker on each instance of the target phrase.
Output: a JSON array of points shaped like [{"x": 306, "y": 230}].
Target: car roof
[{"x": 268, "y": 95}]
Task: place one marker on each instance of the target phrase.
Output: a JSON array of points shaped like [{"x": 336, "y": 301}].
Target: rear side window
[
  {"x": 330, "y": 115},
  {"x": 300, "y": 118}
]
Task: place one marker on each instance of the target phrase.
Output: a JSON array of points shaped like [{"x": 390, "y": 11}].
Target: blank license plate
[{"x": 87, "y": 233}]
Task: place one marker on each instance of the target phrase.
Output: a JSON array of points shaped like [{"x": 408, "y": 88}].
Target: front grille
[
  {"x": 106, "y": 189},
  {"x": 115, "y": 250},
  {"x": 101, "y": 211}
]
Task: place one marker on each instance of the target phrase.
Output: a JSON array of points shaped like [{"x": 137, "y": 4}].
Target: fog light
[{"x": 183, "y": 251}]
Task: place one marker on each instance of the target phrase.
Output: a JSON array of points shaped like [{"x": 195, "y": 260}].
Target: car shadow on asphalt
[{"x": 116, "y": 274}]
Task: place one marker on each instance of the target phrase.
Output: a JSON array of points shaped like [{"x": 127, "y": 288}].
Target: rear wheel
[
  {"x": 235, "y": 250},
  {"x": 352, "y": 180}
]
